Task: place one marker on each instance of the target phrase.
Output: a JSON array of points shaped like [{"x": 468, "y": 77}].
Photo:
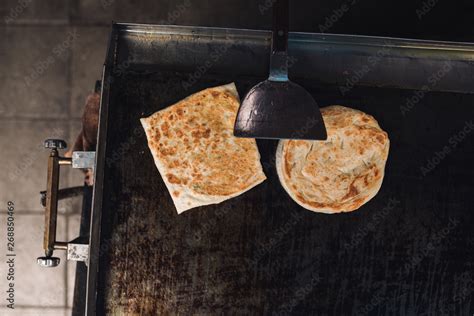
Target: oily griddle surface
[{"x": 407, "y": 251}]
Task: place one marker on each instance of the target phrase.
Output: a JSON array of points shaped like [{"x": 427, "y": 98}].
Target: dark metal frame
[{"x": 321, "y": 57}]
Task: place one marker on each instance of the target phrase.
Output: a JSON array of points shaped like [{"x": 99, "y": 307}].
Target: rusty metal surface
[
  {"x": 261, "y": 253},
  {"x": 405, "y": 252}
]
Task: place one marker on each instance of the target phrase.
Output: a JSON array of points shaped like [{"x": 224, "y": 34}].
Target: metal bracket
[
  {"x": 83, "y": 159},
  {"x": 77, "y": 252}
]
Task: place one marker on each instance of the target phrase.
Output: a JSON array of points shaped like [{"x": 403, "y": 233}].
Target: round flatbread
[
  {"x": 341, "y": 173},
  {"x": 196, "y": 153}
]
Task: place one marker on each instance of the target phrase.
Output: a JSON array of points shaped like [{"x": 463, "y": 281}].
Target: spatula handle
[
  {"x": 279, "y": 55},
  {"x": 280, "y": 26}
]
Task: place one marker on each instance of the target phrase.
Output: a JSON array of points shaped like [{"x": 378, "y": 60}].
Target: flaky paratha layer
[
  {"x": 194, "y": 149},
  {"x": 341, "y": 173}
]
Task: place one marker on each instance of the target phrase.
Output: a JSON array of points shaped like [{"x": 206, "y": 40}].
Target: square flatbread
[{"x": 196, "y": 153}]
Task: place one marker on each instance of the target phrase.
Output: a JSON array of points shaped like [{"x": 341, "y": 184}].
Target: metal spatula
[{"x": 277, "y": 107}]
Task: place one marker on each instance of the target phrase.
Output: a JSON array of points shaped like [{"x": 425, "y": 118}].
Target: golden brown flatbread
[
  {"x": 194, "y": 149},
  {"x": 341, "y": 173}
]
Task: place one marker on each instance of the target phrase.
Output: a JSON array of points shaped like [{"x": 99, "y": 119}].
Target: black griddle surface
[{"x": 406, "y": 252}]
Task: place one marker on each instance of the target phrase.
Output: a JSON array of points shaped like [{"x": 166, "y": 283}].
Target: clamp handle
[{"x": 51, "y": 206}]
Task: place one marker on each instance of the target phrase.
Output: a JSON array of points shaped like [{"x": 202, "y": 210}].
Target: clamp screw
[
  {"x": 48, "y": 262},
  {"x": 55, "y": 144}
]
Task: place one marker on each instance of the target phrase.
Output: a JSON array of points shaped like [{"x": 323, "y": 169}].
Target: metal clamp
[{"x": 77, "y": 250}]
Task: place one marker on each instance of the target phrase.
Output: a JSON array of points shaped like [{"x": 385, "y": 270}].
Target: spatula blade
[{"x": 279, "y": 110}]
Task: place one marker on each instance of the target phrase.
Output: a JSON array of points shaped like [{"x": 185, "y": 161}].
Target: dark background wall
[
  {"x": 433, "y": 19},
  {"x": 429, "y": 19}
]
